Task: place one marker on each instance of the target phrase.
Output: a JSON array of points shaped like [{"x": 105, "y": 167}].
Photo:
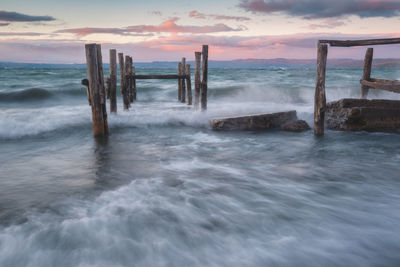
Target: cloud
[
  {"x": 314, "y": 9},
  {"x": 197, "y": 15},
  {"x": 18, "y": 17},
  {"x": 174, "y": 47},
  {"x": 156, "y": 13},
  {"x": 80, "y": 32},
  {"x": 22, "y": 34},
  {"x": 168, "y": 26},
  {"x": 327, "y": 24}
]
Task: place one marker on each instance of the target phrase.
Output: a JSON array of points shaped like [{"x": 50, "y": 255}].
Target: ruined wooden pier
[
  {"x": 355, "y": 114},
  {"x": 100, "y": 89}
]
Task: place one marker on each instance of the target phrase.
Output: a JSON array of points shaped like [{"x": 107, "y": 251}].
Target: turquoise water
[{"x": 165, "y": 190}]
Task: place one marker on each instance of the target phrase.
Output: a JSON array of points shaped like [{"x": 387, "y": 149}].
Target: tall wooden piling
[
  {"x": 125, "y": 94},
  {"x": 121, "y": 72},
  {"x": 112, "y": 88},
  {"x": 179, "y": 82},
  {"x": 367, "y": 71},
  {"x": 197, "y": 82},
  {"x": 130, "y": 73},
  {"x": 320, "y": 98},
  {"x": 96, "y": 88},
  {"x": 188, "y": 85},
  {"x": 204, "y": 86},
  {"x": 134, "y": 84},
  {"x": 183, "y": 86}
]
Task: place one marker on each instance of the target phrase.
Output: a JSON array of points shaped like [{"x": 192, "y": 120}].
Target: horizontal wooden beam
[
  {"x": 160, "y": 77},
  {"x": 348, "y": 43},
  {"x": 381, "y": 84}
]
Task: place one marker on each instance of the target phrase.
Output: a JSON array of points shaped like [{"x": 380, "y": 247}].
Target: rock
[
  {"x": 295, "y": 126},
  {"x": 363, "y": 115},
  {"x": 254, "y": 122}
]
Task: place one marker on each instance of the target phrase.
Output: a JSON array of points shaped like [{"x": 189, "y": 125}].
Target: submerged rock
[
  {"x": 363, "y": 115},
  {"x": 296, "y": 126},
  {"x": 254, "y": 122}
]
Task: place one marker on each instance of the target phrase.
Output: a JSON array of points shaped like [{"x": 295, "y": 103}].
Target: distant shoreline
[{"x": 240, "y": 63}]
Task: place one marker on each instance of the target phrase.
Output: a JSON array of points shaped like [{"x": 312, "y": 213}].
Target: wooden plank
[
  {"x": 367, "y": 71},
  {"x": 204, "y": 86},
  {"x": 113, "y": 80},
  {"x": 95, "y": 88},
  {"x": 348, "y": 43},
  {"x": 197, "y": 82},
  {"x": 320, "y": 98},
  {"x": 382, "y": 84},
  {"x": 188, "y": 85},
  {"x": 159, "y": 77},
  {"x": 183, "y": 87}
]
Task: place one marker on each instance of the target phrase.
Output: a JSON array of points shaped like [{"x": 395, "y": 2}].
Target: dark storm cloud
[{"x": 314, "y": 9}]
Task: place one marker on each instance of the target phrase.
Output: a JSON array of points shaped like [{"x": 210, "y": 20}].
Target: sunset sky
[{"x": 51, "y": 31}]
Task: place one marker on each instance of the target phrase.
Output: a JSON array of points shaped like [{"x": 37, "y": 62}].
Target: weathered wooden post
[
  {"x": 122, "y": 74},
  {"x": 197, "y": 82},
  {"x": 130, "y": 73},
  {"x": 134, "y": 83},
  {"x": 112, "y": 89},
  {"x": 183, "y": 87},
  {"x": 204, "y": 86},
  {"x": 179, "y": 82},
  {"x": 85, "y": 82},
  {"x": 367, "y": 71},
  {"x": 320, "y": 98},
  {"x": 125, "y": 94},
  {"x": 96, "y": 89},
  {"x": 188, "y": 85}
]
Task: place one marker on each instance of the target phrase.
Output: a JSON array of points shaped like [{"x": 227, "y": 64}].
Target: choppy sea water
[{"x": 165, "y": 190}]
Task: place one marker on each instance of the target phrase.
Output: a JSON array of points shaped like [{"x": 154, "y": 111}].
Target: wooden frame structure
[
  {"x": 98, "y": 90},
  {"x": 366, "y": 82}
]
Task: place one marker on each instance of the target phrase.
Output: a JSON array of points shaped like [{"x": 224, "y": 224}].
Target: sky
[{"x": 53, "y": 31}]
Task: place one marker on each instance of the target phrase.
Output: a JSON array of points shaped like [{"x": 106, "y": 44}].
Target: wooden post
[
  {"x": 367, "y": 71},
  {"x": 179, "y": 82},
  {"x": 183, "y": 87},
  {"x": 134, "y": 84},
  {"x": 188, "y": 85},
  {"x": 125, "y": 94},
  {"x": 130, "y": 73},
  {"x": 204, "y": 86},
  {"x": 103, "y": 87},
  {"x": 197, "y": 82},
  {"x": 85, "y": 82},
  {"x": 320, "y": 98},
  {"x": 96, "y": 87},
  {"x": 113, "y": 81},
  {"x": 121, "y": 71}
]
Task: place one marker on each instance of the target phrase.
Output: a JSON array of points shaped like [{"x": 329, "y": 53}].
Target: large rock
[
  {"x": 363, "y": 115},
  {"x": 254, "y": 122},
  {"x": 295, "y": 126}
]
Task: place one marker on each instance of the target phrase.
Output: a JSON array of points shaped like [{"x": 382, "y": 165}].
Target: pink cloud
[
  {"x": 172, "y": 48},
  {"x": 168, "y": 26}
]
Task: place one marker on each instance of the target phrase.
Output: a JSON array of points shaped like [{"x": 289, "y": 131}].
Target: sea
[{"x": 164, "y": 189}]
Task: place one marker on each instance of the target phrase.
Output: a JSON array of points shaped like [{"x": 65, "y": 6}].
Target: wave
[{"x": 37, "y": 94}]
